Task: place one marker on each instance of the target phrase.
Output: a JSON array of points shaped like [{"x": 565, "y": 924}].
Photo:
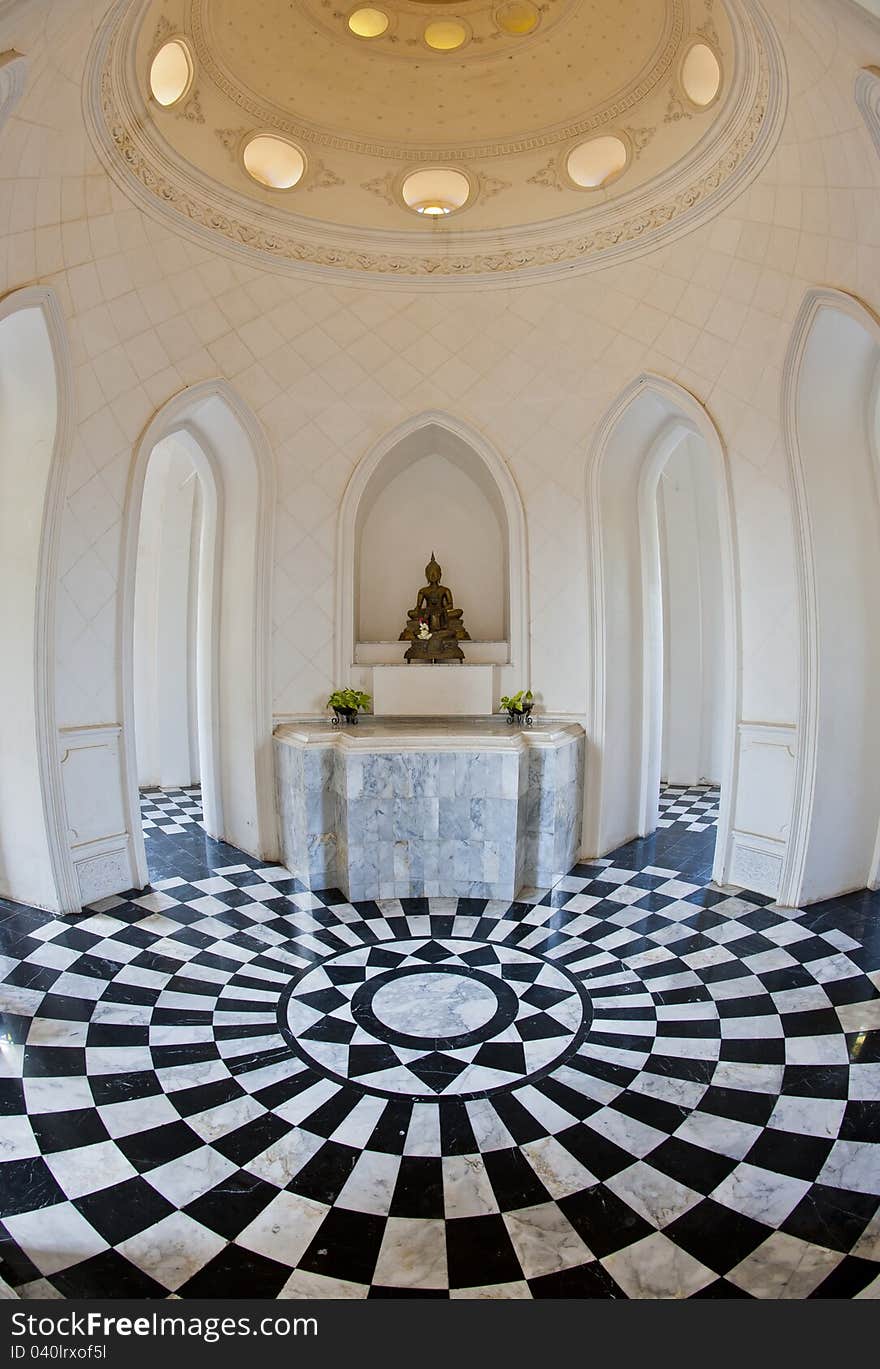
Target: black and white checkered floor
[
  {"x": 170, "y": 810},
  {"x": 640, "y": 1086},
  {"x": 694, "y": 809}
]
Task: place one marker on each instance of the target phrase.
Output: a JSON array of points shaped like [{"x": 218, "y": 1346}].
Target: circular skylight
[
  {"x": 446, "y": 35},
  {"x": 517, "y": 18},
  {"x": 436, "y": 191},
  {"x": 701, "y": 75},
  {"x": 273, "y": 162},
  {"x": 368, "y": 23},
  {"x": 597, "y": 162},
  {"x": 171, "y": 73}
]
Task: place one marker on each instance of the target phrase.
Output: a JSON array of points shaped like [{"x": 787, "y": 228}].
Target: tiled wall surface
[{"x": 329, "y": 369}]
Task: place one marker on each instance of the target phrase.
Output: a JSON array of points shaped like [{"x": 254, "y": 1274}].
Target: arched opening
[
  {"x": 35, "y": 416},
  {"x": 867, "y": 92},
  {"x": 199, "y": 510},
  {"x": 664, "y": 666},
  {"x": 476, "y": 527},
  {"x": 13, "y": 76},
  {"x": 830, "y": 421},
  {"x": 175, "y": 626},
  {"x": 681, "y": 533}
]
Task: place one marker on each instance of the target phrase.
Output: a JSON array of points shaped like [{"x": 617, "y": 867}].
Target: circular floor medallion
[
  {"x": 442, "y": 1006},
  {"x": 429, "y": 1016}
]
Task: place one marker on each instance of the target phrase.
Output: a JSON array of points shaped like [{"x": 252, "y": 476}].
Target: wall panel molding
[{"x": 92, "y": 771}]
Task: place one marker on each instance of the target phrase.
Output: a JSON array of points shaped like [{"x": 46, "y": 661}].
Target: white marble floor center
[{"x": 434, "y": 1004}]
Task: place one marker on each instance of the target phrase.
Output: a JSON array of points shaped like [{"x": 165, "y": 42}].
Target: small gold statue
[{"x": 434, "y": 627}]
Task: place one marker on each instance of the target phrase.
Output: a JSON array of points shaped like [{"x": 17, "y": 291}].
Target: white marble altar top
[{"x": 428, "y": 734}]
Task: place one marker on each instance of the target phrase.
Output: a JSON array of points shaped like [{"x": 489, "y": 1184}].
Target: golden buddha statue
[{"x": 434, "y": 626}]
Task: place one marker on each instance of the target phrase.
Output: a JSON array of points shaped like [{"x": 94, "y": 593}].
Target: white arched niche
[
  {"x": 433, "y": 484},
  {"x": 830, "y": 395},
  {"x": 653, "y": 423},
  {"x": 232, "y": 460},
  {"x": 36, "y": 406}
]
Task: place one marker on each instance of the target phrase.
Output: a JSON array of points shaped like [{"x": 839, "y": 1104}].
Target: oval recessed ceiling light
[
  {"x": 701, "y": 75},
  {"x": 368, "y": 23},
  {"x": 273, "y": 162},
  {"x": 171, "y": 73},
  {"x": 446, "y": 35},
  {"x": 596, "y": 162},
  {"x": 436, "y": 191},
  {"x": 517, "y": 18}
]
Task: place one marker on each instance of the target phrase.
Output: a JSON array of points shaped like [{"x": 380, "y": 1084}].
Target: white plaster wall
[
  {"x": 836, "y": 386},
  {"x": 329, "y": 370},
  {"x": 625, "y": 627},
  {"x": 431, "y": 505},
  {"x": 146, "y": 620},
  {"x": 237, "y": 531},
  {"x": 28, "y": 414},
  {"x": 165, "y": 685},
  {"x": 693, "y": 725}
]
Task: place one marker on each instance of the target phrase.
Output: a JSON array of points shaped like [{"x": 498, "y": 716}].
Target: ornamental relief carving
[
  {"x": 618, "y": 229},
  {"x": 268, "y": 115},
  {"x": 190, "y": 109},
  {"x": 320, "y": 177}
]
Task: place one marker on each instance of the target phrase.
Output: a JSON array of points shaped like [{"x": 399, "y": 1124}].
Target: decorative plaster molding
[
  {"x": 268, "y": 114},
  {"x": 867, "y": 92},
  {"x": 13, "y": 75},
  {"x": 676, "y": 108},
  {"x": 639, "y": 138},
  {"x": 549, "y": 176},
  {"x": 101, "y": 875},
  {"x": 490, "y": 185},
  {"x": 320, "y": 177},
  {"x": 756, "y": 863},
  {"x": 164, "y": 29},
  {"x": 231, "y": 138},
  {"x": 769, "y": 734},
  {"x": 382, "y": 186},
  {"x": 190, "y": 108},
  {"x": 688, "y": 194}
]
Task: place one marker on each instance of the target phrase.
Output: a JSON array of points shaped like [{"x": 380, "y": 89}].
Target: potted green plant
[
  {"x": 346, "y": 703},
  {"x": 519, "y": 705}
]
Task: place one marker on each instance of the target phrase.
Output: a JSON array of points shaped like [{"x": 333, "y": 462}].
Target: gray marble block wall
[
  {"x": 309, "y": 813},
  {"x": 410, "y": 824},
  {"x": 553, "y": 812}
]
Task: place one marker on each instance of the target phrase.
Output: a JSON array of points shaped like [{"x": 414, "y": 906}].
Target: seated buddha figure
[{"x": 434, "y": 626}]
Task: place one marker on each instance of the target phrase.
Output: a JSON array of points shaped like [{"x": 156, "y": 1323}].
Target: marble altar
[{"x": 405, "y": 808}]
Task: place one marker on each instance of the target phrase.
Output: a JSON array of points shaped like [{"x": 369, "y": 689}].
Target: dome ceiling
[
  {"x": 302, "y": 63},
  {"x": 535, "y": 91}
]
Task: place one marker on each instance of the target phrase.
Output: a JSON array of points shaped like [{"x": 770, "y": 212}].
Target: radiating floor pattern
[{"x": 640, "y": 1086}]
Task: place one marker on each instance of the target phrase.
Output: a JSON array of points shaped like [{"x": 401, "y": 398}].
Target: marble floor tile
[
  {"x": 634, "y": 1085},
  {"x": 656, "y": 1268},
  {"x": 784, "y": 1267},
  {"x": 544, "y": 1240}
]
